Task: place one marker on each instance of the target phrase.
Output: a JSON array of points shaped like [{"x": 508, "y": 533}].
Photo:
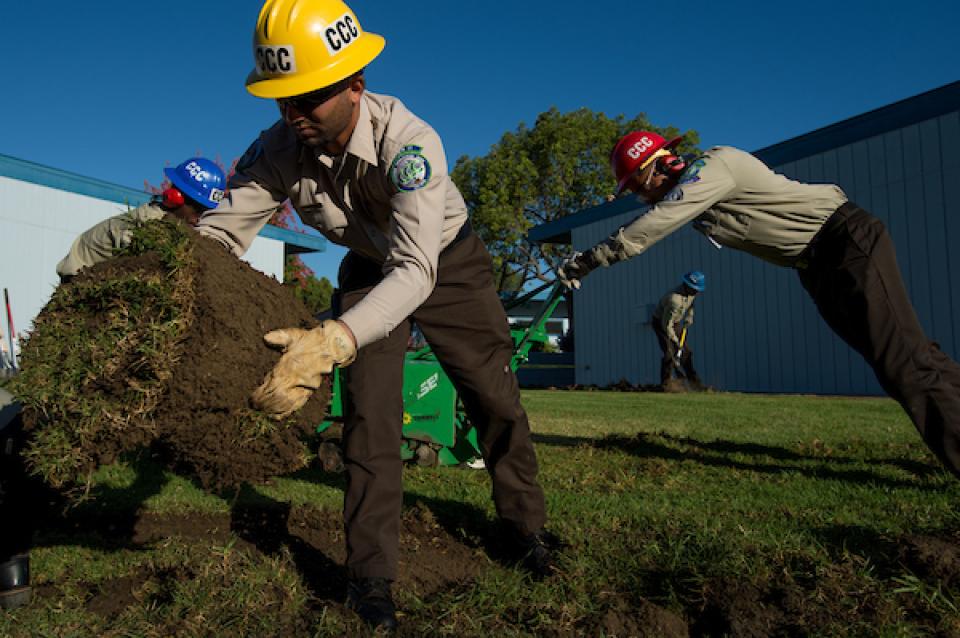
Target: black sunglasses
[{"x": 306, "y": 102}]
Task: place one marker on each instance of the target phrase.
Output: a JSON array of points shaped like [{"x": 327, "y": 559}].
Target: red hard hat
[{"x": 633, "y": 152}]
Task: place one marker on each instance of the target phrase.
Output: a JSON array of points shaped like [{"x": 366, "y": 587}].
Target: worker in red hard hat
[
  {"x": 843, "y": 255},
  {"x": 636, "y": 151}
]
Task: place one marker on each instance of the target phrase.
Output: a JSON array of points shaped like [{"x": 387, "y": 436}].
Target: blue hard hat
[
  {"x": 199, "y": 179},
  {"x": 696, "y": 280}
]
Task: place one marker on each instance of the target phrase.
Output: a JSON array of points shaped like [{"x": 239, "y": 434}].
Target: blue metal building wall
[{"x": 756, "y": 329}]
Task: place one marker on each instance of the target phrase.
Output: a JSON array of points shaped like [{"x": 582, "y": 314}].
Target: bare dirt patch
[
  {"x": 836, "y": 600},
  {"x": 111, "y": 597},
  {"x": 431, "y": 561},
  {"x": 932, "y": 558},
  {"x": 642, "y": 619},
  {"x": 795, "y": 600}
]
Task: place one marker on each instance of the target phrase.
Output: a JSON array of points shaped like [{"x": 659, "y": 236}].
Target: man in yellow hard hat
[{"x": 368, "y": 174}]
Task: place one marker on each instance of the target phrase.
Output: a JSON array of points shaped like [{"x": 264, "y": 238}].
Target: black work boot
[
  {"x": 15, "y": 582},
  {"x": 535, "y": 552},
  {"x": 372, "y": 600}
]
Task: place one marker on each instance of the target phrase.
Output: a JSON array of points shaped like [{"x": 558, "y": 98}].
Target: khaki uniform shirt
[
  {"x": 674, "y": 309},
  {"x": 736, "y": 200},
  {"x": 99, "y": 242},
  {"x": 388, "y": 197}
]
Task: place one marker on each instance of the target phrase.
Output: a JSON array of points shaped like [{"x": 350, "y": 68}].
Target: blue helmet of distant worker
[
  {"x": 197, "y": 178},
  {"x": 696, "y": 280}
]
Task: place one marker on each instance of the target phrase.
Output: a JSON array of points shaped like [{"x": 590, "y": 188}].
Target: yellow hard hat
[{"x": 300, "y": 46}]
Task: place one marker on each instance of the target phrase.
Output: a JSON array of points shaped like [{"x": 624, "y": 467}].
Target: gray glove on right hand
[{"x": 575, "y": 269}]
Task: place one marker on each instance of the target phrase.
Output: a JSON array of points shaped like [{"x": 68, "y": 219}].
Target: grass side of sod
[{"x": 735, "y": 514}]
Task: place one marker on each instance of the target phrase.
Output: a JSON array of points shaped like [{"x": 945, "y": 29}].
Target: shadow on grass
[
  {"x": 113, "y": 520},
  {"x": 107, "y": 520},
  {"x": 263, "y": 522},
  {"x": 880, "y": 551},
  {"x": 719, "y": 453},
  {"x": 469, "y": 524}
]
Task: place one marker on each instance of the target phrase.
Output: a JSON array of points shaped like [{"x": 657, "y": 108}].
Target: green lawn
[{"x": 713, "y": 514}]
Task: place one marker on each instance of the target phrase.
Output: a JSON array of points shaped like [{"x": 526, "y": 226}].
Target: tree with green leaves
[
  {"x": 537, "y": 175},
  {"x": 314, "y": 293}
]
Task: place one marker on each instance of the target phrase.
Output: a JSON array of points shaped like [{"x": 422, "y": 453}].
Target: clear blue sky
[{"x": 118, "y": 89}]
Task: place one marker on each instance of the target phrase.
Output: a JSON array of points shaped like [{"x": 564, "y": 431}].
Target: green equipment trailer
[{"x": 436, "y": 430}]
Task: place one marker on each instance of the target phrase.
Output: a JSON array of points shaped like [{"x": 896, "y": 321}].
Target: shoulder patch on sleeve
[
  {"x": 692, "y": 174},
  {"x": 410, "y": 170},
  {"x": 251, "y": 155}
]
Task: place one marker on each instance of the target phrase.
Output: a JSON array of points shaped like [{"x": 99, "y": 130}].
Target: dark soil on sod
[
  {"x": 223, "y": 359},
  {"x": 191, "y": 400}
]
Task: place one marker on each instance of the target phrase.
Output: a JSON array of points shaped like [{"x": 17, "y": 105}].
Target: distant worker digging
[{"x": 671, "y": 322}]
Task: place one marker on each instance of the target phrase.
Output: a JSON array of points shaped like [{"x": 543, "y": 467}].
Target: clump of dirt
[
  {"x": 205, "y": 419},
  {"x": 625, "y": 386},
  {"x": 642, "y": 619},
  {"x": 431, "y": 560},
  {"x": 737, "y": 609},
  {"x": 112, "y": 597},
  {"x": 162, "y": 346},
  {"x": 308, "y": 539},
  {"x": 932, "y": 558},
  {"x": 839, "y": 597}
]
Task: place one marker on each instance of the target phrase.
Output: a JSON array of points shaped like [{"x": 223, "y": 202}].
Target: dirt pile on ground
[
  {"x": 284, "y": 562},
  {"x": 162, "y": 346},
  {"x": 432, "y": 561}
]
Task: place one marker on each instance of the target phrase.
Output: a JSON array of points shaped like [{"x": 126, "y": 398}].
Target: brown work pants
[
  {"x": 465, "y": 324},
  {"x": 852, "y": 274},
  {"x": 669, "y": 359}
]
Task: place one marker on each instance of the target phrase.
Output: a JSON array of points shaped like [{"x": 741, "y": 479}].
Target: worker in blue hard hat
[
  {"x": 671, "y": 320},
  {"x": 195, "y": 186}
]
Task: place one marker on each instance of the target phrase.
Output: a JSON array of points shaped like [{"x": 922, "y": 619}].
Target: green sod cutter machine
[{"x": 436, "y": 430}]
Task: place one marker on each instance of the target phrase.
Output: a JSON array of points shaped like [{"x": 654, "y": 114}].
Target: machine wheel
[
  {"x": 330, "y": 455},
  {"x": 427, "y": 456}
]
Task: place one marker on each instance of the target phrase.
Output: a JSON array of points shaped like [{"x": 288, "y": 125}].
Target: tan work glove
[
  {"x": 307, "y": 356},
  {"x": 576, "y": 268}
]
